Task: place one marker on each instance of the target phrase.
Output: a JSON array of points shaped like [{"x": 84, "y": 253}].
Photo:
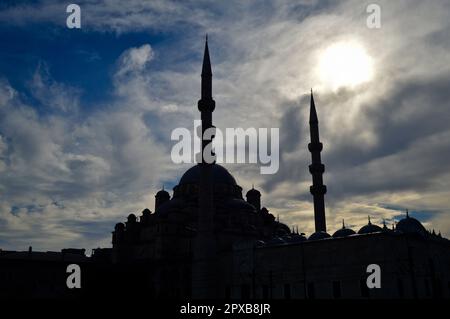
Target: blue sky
[
  {"x": 75, "y": 57},
  {"x": 86, "y": 115}
]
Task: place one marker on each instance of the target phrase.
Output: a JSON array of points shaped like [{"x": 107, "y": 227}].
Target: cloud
[
  {"x": 60, "y": 169},
  {"x": 110, "y": 15},
  {"x": 134, "y": 60},
  {"x": 6, "y": 92},
  {"x": 51, "y": 94},
  {"x": 385, "y": 142}
]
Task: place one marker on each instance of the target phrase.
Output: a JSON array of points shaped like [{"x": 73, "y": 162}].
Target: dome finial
[
  {"x": 343, "y": 223},
  {"x": 407, "y": 213},
  {"x": 368, "y": 217},
  {"x": 384, "y": 224}
]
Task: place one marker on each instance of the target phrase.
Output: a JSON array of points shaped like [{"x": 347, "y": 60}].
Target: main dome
[{"x": 220, "y": 175}]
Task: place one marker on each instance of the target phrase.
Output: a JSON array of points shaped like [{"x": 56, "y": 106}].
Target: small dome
[
  {"x": 343, "y": 232},
  {"x": 386, "y": 229},
  {"x": 370, "y": 228},
  {"x": 220, "y": 175},
  {"x": 297, "y": 238},
  {"x": 162, "y": 193},
  {"x": 131, "y": 218},
  {"x": 318, "y": 235},
  {"x": 410, "y": 225},
  {"x": 253, "y": 192}
]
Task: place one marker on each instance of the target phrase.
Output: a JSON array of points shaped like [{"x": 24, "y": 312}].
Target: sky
[{"x": 86, "y": 114}]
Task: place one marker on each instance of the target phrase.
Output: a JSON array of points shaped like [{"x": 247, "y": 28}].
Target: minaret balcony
[
  {"x": 316, "y": 168},
  {"x": 206, "y": 105},
  {"x": 315, "y": 147}
]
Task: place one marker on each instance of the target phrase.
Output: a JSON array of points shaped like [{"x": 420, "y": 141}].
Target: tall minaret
[
  {"x": 206, "y": 104},
  {"x": 203, "y": 273},
  {"x": 318, "y": 189}
]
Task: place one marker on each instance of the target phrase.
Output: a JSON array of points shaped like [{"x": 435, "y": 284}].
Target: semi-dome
[
  {"x": 370, "y": 228},
  {"x": 170, "y": 206},
  {"x": 319, "y": 235},
  {"x": 237, "y": 204},
  {"x": 409, "y": 225},
  {"x": 220, "y": 175}
]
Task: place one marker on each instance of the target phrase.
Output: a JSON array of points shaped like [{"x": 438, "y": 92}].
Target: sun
[{"x": 345, "y": 64}]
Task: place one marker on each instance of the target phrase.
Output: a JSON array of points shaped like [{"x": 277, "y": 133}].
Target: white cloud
[
  {"x": 66, "y": 179},
  {"x": 135, "y": 59},
  {"x": 51, "y": 94},
  {"x": 385, "y": 134},
  {"x": 7, "y": 93}
]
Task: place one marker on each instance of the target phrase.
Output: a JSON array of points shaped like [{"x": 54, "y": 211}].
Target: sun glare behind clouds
[{"x": 344, "y": 64}]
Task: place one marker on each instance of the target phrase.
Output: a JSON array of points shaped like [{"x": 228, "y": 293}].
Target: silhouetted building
[
  {"x": 254, "y": 255},
  {"x": 206, "y": 241}
]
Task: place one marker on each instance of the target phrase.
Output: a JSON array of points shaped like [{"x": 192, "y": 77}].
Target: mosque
[{"x": 207, "y": 241}]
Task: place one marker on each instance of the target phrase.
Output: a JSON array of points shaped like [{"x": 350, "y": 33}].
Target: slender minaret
[
  {"x": 318, "y": 189},
  {"x": 203, "y": 273}
]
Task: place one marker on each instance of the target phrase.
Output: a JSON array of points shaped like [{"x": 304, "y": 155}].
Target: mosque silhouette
[{"x": 205, "y": 241}]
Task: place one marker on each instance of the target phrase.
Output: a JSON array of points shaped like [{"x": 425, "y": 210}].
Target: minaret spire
[
  {"x": 318, "y": 189},
  {"x": 312, "y": 111},
  {"x": 204, "y": 276},
  {"x": 206, "y": 73}
]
